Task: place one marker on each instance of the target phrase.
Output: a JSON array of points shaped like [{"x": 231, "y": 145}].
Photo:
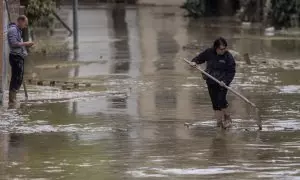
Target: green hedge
[
  {"x": 195, "y": 8},
  {"x": 283, "y": 11},
  {"x": 40, "y": 12}
]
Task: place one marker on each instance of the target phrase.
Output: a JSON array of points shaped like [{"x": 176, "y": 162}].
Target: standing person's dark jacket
[
  {"x": 222, "y": 67},
  {"x": 14, "y": 36}
]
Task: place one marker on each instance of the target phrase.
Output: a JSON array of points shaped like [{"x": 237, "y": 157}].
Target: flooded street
[{"x": 130, "y": 123}]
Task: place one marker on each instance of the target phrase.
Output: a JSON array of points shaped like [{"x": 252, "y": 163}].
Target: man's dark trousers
[{"x": 17, "y": 72}]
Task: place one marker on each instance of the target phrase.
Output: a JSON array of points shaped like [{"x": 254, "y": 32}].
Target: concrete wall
[
  {"x": 1, "y": 48},
  {"x": 161, "y": 2}
]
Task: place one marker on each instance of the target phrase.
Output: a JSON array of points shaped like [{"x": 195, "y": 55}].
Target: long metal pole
[
  {"x": 75, "y": 24},
  {"x": 63, "y": 23},
  {"x": 233, "y": 91}
]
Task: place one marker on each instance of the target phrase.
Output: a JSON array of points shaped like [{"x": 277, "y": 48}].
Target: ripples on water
[{"x": 134, "y": 129}]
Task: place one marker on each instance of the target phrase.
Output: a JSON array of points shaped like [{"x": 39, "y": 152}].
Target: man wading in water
[
  {"x": 221, "y": 65},
  {"x": 16, "y": 56}
]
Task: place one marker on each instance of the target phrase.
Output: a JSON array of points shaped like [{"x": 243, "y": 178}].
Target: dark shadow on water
[
  {"x": 16, "y": 147},
  {"x": 121, "y": 56},
  {"x": 118, "y": 103},
  {"x": 167, "y": 48},
  {"x": 75, "y": 58},
  {"x": 16, "y": 140},
  {"x": 219, "y": 148}
]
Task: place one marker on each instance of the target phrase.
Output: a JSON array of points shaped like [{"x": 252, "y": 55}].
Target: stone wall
[{"x": 14, "y": 9}]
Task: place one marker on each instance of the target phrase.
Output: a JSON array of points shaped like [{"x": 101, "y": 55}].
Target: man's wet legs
[{"x": 17, "y": 73}]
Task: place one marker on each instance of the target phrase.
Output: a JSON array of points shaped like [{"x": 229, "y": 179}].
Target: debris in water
[
  {"x": 246, "y": 24},
  {"x": 187, "y": 125},
  {"x": 103, "y": 61},
  {"x": 247, "y": 58},
  {"x": 40, "y": 83},
  {"x": 52, "y": 83},
  {"x": 76, "y": 85},
  {"x": 288, "y": 128}
]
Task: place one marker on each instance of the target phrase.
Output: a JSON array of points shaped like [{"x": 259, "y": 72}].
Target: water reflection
[
  {"x": 220, "y": 149},
  {"x": 116, "y": 136},
  {"x": 75, "y": 58},
  {"x": 13, "y": 149},
  {"x": 167, "y": 48},
  {"x": 119, "y": 59},
  {"x": 118, "y": 103},
  {"x": 121, "y": 56},
  {"x": 94, "y": 43},
  {"x": 17, "y": 148}
]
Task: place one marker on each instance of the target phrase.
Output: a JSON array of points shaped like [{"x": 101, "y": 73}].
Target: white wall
[{"x": 162, "y": 2}]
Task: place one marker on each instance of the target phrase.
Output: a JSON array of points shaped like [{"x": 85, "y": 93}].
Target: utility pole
[{"x": 75, "y": 24}]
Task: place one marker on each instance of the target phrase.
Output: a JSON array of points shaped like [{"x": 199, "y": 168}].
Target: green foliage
[
  {"x": 50, "y": 47},
  {"x": 282, "y": 12},
  {"x": 195, "y": 8},
  {"x": 39, "y": 12}
]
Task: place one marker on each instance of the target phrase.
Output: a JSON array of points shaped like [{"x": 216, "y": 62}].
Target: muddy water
[{"x": 135, "y": 128}]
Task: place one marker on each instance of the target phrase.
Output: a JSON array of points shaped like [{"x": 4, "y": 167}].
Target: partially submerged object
[
  {"x": 65, "y": 85},
  {"x": 246, "y": 24}
]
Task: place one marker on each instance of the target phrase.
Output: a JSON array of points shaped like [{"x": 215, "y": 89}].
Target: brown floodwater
[{"x": 134, "y": 128}]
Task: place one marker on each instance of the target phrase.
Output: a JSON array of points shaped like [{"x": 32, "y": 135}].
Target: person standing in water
[
  {"x": 17, "y": 55},
  {"x": 221, "y": 65}
]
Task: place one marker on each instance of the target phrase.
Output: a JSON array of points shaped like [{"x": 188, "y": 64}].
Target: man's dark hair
[
  {"x": 220, "y": 41},
  {"x": 22, "y": 18}
]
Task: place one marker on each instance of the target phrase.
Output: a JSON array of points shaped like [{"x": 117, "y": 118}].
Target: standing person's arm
[
  {"x": 12, "y": 36},
  {"x": 231, "y": 69}
]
